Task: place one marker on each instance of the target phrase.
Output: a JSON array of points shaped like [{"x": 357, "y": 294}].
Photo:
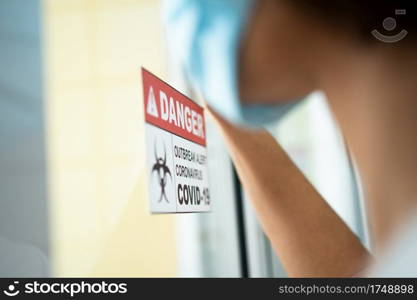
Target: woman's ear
[{"x": 275, "y": 61}]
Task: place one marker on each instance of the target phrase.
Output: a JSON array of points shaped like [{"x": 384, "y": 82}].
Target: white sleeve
[{"x": 400, "y": 259}]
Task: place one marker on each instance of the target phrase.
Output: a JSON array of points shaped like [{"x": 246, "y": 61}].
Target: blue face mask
[{"x": 204, "y": 35}]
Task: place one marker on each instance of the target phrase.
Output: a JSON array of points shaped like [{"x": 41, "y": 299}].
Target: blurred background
[{"x": 72, "y": 164}]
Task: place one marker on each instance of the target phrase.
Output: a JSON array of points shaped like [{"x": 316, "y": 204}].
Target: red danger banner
[
  {"x": 170, "y": 110},
  {"x": 176, "y": 152}
]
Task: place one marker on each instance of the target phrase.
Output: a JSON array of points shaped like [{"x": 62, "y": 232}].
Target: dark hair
[{"x": 364, "y": 16}]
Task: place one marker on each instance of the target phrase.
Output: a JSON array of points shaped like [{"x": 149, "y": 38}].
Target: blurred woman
[{"x": 269, "y": 55}]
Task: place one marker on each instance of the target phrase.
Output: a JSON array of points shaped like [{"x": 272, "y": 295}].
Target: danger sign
[{"x": 175, "y": 149}]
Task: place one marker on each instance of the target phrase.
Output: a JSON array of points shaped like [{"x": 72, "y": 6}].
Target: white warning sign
[{"x": 176, "y": 150}]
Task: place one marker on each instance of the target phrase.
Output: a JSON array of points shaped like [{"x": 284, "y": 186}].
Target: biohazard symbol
[{"x": 162, "y": 172}]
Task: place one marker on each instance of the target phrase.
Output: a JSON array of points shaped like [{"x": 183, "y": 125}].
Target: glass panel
[
  {"x": 208, "y": 244},
  {"x": 99, "y": 216},
  {"x": 100, "y": 225}
]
